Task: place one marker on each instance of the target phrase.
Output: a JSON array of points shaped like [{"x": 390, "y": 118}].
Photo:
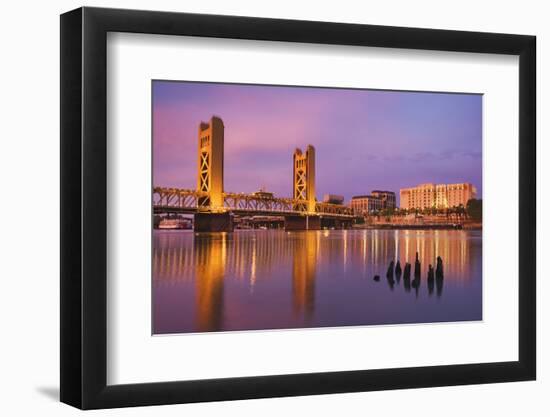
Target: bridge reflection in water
[{"x": 253, "y": 280}]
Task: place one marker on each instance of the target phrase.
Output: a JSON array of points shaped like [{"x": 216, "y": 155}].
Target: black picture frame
[{"x": 84, "y": 207}]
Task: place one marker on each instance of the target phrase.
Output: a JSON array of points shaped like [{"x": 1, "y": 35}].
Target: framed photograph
[{"x": 257, "y": 208}]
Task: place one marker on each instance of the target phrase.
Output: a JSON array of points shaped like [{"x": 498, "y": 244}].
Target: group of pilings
[{"x": 434, "y": 277}]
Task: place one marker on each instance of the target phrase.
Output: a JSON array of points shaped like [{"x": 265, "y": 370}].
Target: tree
[{"x": 474, "y": 209}]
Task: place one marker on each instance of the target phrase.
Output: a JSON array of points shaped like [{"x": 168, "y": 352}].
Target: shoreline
[
  {"x": 378, "y": 227},
  {"x": 421, "y": 227}
]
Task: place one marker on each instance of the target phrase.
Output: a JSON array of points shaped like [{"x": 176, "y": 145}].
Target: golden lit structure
[
  {"x": 304, "y": 179},
  {"x": 213, "y": 209},
  {"x": 179, "y": 200},
  {"x": 210, "y": 164},
  {"x": 437, "y": 195}
]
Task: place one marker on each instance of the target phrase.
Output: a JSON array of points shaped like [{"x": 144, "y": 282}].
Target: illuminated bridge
[
  {"x": 176, "y": 200},
  {"x": 213, "y": 209}
]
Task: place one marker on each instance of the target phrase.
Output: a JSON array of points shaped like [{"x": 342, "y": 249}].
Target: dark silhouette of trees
[{"x": 474, "y": 209}]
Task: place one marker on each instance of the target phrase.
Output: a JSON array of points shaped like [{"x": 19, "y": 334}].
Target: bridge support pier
[
  {"x": 212, "y": 222},
  {"x": 302, "y": 223}
]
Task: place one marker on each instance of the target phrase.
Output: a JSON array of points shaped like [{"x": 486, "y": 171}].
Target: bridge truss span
[
  {"x": 333, "y": 209},
  {"x": 242, "y": 202},
  {"x": 177, "y": 200},
  {"x": 166, "y": 200}
]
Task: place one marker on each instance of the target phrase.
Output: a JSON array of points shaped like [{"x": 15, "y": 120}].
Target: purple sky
[{"x": 364, "y": 139}]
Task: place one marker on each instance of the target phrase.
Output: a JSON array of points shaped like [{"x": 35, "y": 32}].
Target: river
[{"x": 272, "y": 279}]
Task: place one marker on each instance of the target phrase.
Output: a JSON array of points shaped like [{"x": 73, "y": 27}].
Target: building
[
  {"x": 375, "y": 201},
  {"x": 365, "y": 204},
  {"x": 333, "y": 199},
  {"x": 387, "y": 197},
  {"x": 436, "y": 195},
  {"x": 262, "y": 193}
]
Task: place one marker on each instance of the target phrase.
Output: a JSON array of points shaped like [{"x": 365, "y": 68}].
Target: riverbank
[{"x": 403, "y": 226}]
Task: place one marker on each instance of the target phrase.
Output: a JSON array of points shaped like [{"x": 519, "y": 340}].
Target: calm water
[{"x": 274, "y": 279}]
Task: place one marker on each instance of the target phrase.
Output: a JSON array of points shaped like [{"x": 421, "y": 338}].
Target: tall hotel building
[{"x": 436, "y": 195}]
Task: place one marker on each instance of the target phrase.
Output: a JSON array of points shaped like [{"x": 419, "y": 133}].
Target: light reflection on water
[{"x": 249, "y": 280}]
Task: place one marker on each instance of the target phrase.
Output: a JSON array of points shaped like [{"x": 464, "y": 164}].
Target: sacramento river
[{"x": 271, "y": 279}]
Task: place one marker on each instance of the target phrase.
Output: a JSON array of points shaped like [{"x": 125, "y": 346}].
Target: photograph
[{"x": 295, "y": 207}]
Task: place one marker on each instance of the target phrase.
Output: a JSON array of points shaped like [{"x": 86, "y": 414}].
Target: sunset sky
[{"x": 364, "y": 139}]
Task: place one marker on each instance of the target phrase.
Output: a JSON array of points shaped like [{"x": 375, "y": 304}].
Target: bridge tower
[
  {"x": 210, "y": 164},
  {"x": 304, "y": 179}
]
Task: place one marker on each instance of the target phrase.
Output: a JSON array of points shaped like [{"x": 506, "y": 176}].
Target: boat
[{"x": 173, "y": 224}]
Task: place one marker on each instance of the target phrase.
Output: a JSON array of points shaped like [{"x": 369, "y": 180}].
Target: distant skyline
[{"x": 364, "y": 139}]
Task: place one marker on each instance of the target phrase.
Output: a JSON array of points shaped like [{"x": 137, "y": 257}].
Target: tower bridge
[{"x": 213, "y": 208}]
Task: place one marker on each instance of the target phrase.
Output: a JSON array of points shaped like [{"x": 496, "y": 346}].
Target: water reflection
[
  {"x": 210, "y": 272},
  {"x": 439, "y": 286},
  {"x": 277, "y": 279},
  {"x": 430, "y": 279},
  {"x": 304, "y": 264}
]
